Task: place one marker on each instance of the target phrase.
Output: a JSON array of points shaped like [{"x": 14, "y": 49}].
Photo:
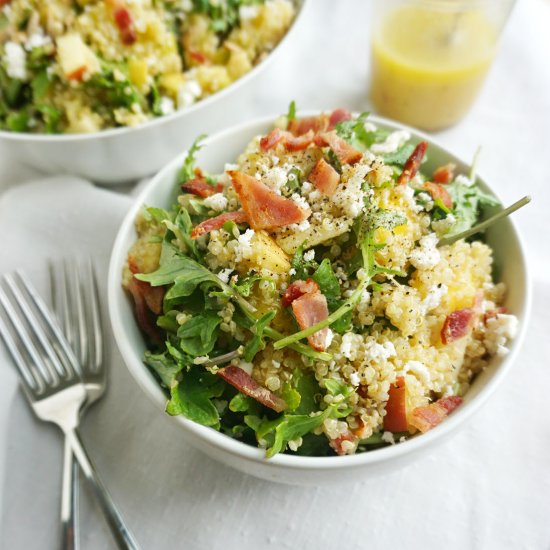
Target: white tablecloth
[{"x": 487, "y": 488}]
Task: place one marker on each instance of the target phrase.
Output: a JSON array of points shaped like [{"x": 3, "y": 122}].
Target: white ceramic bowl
[
  {"x": 121, "y": 155},
  {"x": 225, "y": 147}
]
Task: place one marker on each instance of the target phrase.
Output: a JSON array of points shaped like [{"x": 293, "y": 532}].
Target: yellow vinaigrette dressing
[{"x": 428, "y": 65}]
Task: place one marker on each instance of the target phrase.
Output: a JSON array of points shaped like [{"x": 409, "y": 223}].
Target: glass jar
[{"x": 430, "y": 57}]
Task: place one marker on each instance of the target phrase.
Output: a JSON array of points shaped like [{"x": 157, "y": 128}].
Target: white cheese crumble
[
  {"x": 329, "y": 337},
  {"x": 350, "y": 344},
  {"x": 293, "y": 444},
  {"x": 500, "y": 330},
  {"x": 433, "y": 298},
  {"x": 379, "y": 352},
  {"x": 246, "y": 13},
  {"x": 392, "y": 143},
  {"x": 15, "y": 58},
  {"x": 246, "y": 366},
  {"x": 350, "y": 197},
  {"x": 464, "y": 180},
  {"x": 444, "y": 225},
  {"x": 387, "y": 437},
  {"x": 300, "y": 201},
  {"x": 37, "y": 40},
  {"x": 354, "y": 379},
  {"x": 166, "y": 106},
  {"x": 426, "y": 256},
  {"x": 217, "y": 202},
  {"x": 309, "y": 256},
  {"x": 420, "y": 370},
  {"x": 275, "y": 178},
  {"x": 224, "y": 274},
  {"x": 426, "y": 202},
  {"x": 244, "y": 249},
  {"x": 188, "y": 93}
]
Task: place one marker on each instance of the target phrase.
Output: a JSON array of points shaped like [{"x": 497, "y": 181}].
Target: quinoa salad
[
  {"x": 315, "y": 298},
  {"x": 87, "y": 65}
]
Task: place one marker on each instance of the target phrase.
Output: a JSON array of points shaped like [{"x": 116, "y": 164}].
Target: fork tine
[
  {"x": 33, "y": 322},
  {"x": 96, "y": 358},
  {"x": 77, "y": 304},
  {"x": 70, "y": 361},
  {"x": 42, "y": 369},
  {"x": 30, "y": 382},
  {"x": 60, "y": 299}
]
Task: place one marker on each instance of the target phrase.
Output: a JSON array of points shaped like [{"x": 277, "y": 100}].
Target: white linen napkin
[{"x": 173, "y": 496}]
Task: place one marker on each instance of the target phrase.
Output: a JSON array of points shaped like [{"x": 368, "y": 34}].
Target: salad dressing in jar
[{"x": 430, "y": 57}]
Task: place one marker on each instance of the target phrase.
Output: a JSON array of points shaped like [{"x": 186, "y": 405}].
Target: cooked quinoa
[
  {"x": 87, "y": 65},
  {"x": 225, "y": 286}
]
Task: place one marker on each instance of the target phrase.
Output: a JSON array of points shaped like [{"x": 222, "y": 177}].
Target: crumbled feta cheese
[
  {"x": 246, "y": 13},
  {"x": 355, "y": 379},
  {"x": 224, "y": 274},
  {"x": 309, "y": 256},
  {"x": 15, "y": 58},
  {"x": 293, "y": 444},
  {"x": 300, "y": 201},
  {"x": 426, "y": 256},
  {"x": 275, "y": 178},
  {"x": 292, "y": 271},
  {"x": 369, "y": 127},
  {"x": 188, "y": 93},
  {"x": 37, "y": 40},
  {"x": 244, "y": 245},
  {"x": 387, "y": 437},
  {"x": 216, "y": 202},
  {"x": 420, "y": 370},
  {"x": 500, "y": 330},
  {"x": 444, "y": 225},
  {"x": 329, "y": 337},
  {"x": 229, "y": 167},
  {"x": 350, "y": 344},
  {"x": 464, "y": 180},
  {"x": 433, "y": 298},
  {"x": 379, "y": 352},
  {"x": 166, "y": 106},
  {"x": 351, "y": 197},
  {"x": 246, "y": 366},
  {"x": 425, "y": 202},
  {"x": 392, "y": 143}
]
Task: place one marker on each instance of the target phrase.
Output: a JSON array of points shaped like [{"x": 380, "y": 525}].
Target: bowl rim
[
  {"x": 179, "y": 113},
  {"x": 242, "y": 450}
]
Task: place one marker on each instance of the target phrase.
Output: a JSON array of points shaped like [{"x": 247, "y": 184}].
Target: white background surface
[{"x": 488, "y": 488}]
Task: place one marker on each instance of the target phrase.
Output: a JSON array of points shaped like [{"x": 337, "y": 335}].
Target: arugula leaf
[
  {"x": 291, "y": 115},
  {"x": 241, "y": 403},
  {"x": 51, "y": 117},
  {"x": 400, "y": 156},
  {"x": 257, "y": 342},
  {"x": 165, "y": 367},
  {"x": 245, "y": 285},
  {"x": 40, "y": 84},
  {"x": 198, "y": 335},
  {"x": 187, "y": 171},
  {"x": 307, "y": 386},
  {"x": 301, "y": 266},
  {"x": 355, "y": 133},
  {"x": 336, "y": 387},
  {"x": 328, "y": 282},
  {"x": 116, "y": 91},
  {"x": 18, "y": 121},
  {"x": 467, "y": 203},
  {"x": 191, "y": 397}
]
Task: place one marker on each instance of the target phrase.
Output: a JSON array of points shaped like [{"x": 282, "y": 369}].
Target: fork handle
[
  {"x": 69, "y": 501},
  {"x": 123, "y": 537}
]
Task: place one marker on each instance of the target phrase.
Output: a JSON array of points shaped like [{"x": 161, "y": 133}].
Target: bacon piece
[
  {"x": 153, "y": 295},
  {"x": 263, "y": 207},
  {"x": 324, "y": 177},
  {"x": 77, "y": 74},
  {"x": 309, "y": 309},
  {"x": 396, "y": 407},
  {"x": 298, "y": 143},
  {"x": 444, "y": 174},
  {"x": 337, "y": 116},
  {"x": 438, "y": 191},
  {"x": 143, "y": 300},
  {"x": 301, "y": 126},
  {"x": 457, "y": 325},
  {"x": 125, "y": 23},
  {"x": 241, "y": 380},
  {"x": 199, "y": 186},
  {"x": 215, "y": 223},
  {"x": 345, "y": 153},
  {"x": 428, "y": 417},
  {"x": 297, "y": 289},
  {"x": 197, "y": 56},
  {"x": 272, "y": 139},
  {"x": 413, "y": 163}
]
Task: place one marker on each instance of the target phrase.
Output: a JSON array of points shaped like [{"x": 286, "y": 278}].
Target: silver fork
[
  {"x": 76, "y": 303},
  {"x": 50, "y": 377}
]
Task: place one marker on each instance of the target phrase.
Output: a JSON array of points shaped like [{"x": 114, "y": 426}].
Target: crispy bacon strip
[
  {"x": 297, "y": 289},
  {"x": 197, "y": 56},
  {"x": 301, "y": 126},
  {"x": 428, "y": 417},
  {"x": 337, "y": 116},
  {"x": 345, "y": 153},
  {"x": 272, "y": 139},
  {"x": 264, "y": 208},
  {"x": 215, "y": 223},
  {"x": 309, "y": 309},
  {"x": 444, "y": 174},
  {"x": 413, "y": 163},
  {"x": 457, "y": 325},
  {"x": 143, "y": 300},
  {"x": 396, "y": 407},
  {"x": 324, "y": 177},
  {"x": 199, "y": 186},
  {"x": 438, "y": 191},
  {"x": 298, "y": 143},
  {"x": 125, "y": 23},
  {"x": 241, "y": 380}
]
